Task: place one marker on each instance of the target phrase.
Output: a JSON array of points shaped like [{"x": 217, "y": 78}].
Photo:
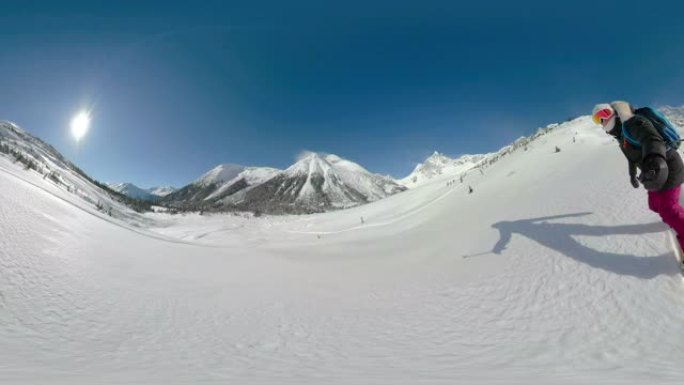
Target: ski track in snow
[{"x": 566, "y": 284}]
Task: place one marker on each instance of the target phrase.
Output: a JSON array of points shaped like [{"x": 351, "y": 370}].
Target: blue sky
[{"x": 176, "y": 88}]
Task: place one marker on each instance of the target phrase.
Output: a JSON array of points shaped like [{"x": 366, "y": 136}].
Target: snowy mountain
[
  {"x": 205, "y": 185},
  {"x": 553, "y": 271},
  {"x": 233, "y": 191},
  {"x": 318, "y": 183},
  {"x": 220, "y": 184}
]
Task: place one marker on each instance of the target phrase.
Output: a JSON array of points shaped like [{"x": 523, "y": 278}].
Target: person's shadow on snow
[{"x": 559, "y": 237}]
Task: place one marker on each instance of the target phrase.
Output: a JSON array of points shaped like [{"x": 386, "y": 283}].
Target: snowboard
[{"x": 676, "y": 250}]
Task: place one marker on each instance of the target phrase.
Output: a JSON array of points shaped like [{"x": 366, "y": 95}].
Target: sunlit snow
[{"x": 552, "y": 270}]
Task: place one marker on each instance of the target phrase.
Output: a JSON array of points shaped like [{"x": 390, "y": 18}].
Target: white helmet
[{"x": 604, "y": 114}]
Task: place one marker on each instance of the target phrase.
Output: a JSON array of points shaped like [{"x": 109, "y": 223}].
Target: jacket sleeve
[
  {"x": 632, "y": 168},
  {"x": 642, "y": 130}
]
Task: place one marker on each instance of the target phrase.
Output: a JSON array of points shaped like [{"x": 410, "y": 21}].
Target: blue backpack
[{"x": 660, "y": 122}]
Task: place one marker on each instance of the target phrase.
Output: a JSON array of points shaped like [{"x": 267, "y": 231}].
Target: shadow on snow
[{"x": 559, "y": 237}]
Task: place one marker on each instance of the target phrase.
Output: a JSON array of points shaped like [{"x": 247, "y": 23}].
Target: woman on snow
[{"x": 662, "y": 170}]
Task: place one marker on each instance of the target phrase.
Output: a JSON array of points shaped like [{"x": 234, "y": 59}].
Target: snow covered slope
[
  {"x": 40, "y": 158},
  {"x": 552, "y": 271}
]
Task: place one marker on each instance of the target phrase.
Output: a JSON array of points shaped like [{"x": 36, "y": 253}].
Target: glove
[
  {"x": 634, "y": 180},
  {"x": 653, "y": 172}
]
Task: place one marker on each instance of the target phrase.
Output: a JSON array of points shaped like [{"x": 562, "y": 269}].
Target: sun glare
[{"x": 79, "y": 125}]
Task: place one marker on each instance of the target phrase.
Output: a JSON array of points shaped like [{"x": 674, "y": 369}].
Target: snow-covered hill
[{"x": 552, "y": 270}]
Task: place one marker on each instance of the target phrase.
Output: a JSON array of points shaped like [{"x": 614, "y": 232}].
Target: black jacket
[{"x": 652, "y": 143}]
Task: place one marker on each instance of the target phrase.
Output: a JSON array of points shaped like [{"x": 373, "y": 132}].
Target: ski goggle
[{"x": 602, "y": 115}]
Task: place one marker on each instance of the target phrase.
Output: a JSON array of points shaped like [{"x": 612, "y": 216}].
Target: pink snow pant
[{"x": 666, "y": 204}]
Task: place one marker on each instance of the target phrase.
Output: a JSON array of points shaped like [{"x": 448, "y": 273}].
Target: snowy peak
[
  {"x": 324, "y": 164},
  {"x": 219, "y": 174},
  {"x": 345, "y": 165},
  {"x": 257, "y": 175},
  {"x": 438, "y": 159},
  {"x": 310, "y": 164}
]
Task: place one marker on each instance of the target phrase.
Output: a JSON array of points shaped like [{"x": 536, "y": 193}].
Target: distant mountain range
[
  {"x": 315, "y": 183},
  {"x": 152, "y": 194}
]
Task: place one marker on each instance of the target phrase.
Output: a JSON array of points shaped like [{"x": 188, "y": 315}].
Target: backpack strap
[{"x": 628, "y": 138}]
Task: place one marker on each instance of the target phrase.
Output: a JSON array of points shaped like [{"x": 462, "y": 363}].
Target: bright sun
[{"x": 79, "y": 125}]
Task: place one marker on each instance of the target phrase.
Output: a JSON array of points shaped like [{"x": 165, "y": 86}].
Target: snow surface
[{"x": 552, "y": 271}]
